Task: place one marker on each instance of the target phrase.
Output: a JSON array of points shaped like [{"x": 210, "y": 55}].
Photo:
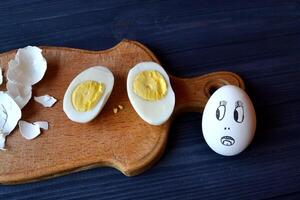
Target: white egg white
[
  {"x": 153, "y": 112},
  {"x": 99, "y": 74}
]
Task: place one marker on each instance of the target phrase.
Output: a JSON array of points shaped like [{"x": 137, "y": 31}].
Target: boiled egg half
[
  {"x": 150, "y": 92},
  {"x": 88, "y": 93}
]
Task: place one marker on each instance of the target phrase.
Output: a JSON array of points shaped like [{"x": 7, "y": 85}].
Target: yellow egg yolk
[
  {"x": 86, "y": 95},
  {"x": 150, "y": 85}
]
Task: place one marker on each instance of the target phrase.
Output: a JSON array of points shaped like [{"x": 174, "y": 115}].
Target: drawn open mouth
[{"x": 227, "y": 140}]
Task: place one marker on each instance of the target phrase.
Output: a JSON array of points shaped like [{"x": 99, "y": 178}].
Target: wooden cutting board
[{"x": 123, "y": 140}]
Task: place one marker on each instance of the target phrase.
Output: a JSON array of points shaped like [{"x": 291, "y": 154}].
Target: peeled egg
[
  {"x": 88, "y": 93},
  {"x": 150, "y": 92},
  {"x": 229, "y": 121}
]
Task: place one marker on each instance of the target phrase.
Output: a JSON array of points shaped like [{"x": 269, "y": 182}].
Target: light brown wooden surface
[{"x": 123, "y": 140}]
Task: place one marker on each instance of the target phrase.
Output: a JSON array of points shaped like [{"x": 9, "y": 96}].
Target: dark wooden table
[{"x": 259, "y": 40}]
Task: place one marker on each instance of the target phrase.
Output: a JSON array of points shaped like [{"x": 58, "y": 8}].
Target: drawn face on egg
[
  {"x": 228, "y": 122},
  {"x": 237, "y": 115}
]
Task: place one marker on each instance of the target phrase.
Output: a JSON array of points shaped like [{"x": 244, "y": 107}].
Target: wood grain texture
[
  {"x": 123, "y": 140},
  {"x": 259, "y": 40}
]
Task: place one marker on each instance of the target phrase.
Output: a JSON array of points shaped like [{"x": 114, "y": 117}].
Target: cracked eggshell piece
[
  {"x": 28, "y": 67},
  {"x": 20, "y": 93},
  {"x": 46, "y": 100},
  {"x": 28, "y": 130},
  {"x": 2, "y": 142},
  {"x": 42, "y": 124},
  {"x": 10, "y": 113},
  {"x": 98, "y": 74},
  {"x": 1, "y": 76},
  {"x": 153, "y": 112}
]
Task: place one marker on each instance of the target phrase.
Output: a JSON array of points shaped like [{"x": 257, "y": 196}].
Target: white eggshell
[
  {"x": 1, "y": 76},
  {"x": 42, "y": 124},
  {"x": 46, "y": 100},
  {"x": 10, "y": 113},
  {"x": 99, "y": 74},
  {"x": 28, "y": 67},
  {"x": 153, "y": 112},
  {"x": 19, "y": 92},
  {"x": 228, "y": 121},
  {"x": 28, "y": 130},
  {"x": 2, "y": 142}
]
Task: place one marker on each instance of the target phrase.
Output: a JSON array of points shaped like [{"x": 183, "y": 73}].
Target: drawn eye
[
  {"x": 238, "y": 113},
  {"x": 220, "y": 112}
]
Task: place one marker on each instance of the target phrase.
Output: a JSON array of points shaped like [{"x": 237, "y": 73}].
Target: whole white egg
[
  {"x": 98, "y": 74},
  {"x": 228, "y": 121},
  {"x": 154, "y": 112}
]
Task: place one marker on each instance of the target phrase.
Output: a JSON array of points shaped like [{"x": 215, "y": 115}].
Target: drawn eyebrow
[
  {"x": 239, "y": 104},
  {"x": 223, "y": 103}
]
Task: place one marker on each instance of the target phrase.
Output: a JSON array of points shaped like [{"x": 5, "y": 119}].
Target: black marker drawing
[
  {"x": 227, "y": 140},
  {"x": 221, "y": 110},
  {"x": 238, "y": 113}
]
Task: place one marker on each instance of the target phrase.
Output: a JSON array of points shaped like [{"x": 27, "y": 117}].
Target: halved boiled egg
[
  {"x": 150, "y": 92},
  {"x": 88, "y": 93}
]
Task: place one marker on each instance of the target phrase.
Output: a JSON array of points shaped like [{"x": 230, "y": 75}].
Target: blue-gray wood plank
[{"x": 259, "y": 40}]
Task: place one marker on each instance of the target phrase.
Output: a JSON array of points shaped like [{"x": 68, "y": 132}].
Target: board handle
[{"x": 192, "y": 94}]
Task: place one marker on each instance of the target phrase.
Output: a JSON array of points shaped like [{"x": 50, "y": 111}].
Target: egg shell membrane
[
  {"x": 99, "y": 74},
  {"x": 28, "y": 67},
  {"x": 153, "y": 112}
]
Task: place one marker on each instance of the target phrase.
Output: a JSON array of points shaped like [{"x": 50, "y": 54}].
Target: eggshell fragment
[
  {"x": 2, "y": 142},
  {"x": 42, "y": 124},
  {"x": 28, "y": 130},
  {"x": 46, "y": 100},
  {"x": 10, "y": 113},
  {"x": 1, "y": 76},
  {"x": 20, "y": 93},
  {"x": 28, "y": 67}
]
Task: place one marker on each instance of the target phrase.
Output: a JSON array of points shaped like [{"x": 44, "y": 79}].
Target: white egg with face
[
  {"x": 88, "y": 93},
  {"x": 150, "y": 92},
  {"x": 229, "y": 121}
]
